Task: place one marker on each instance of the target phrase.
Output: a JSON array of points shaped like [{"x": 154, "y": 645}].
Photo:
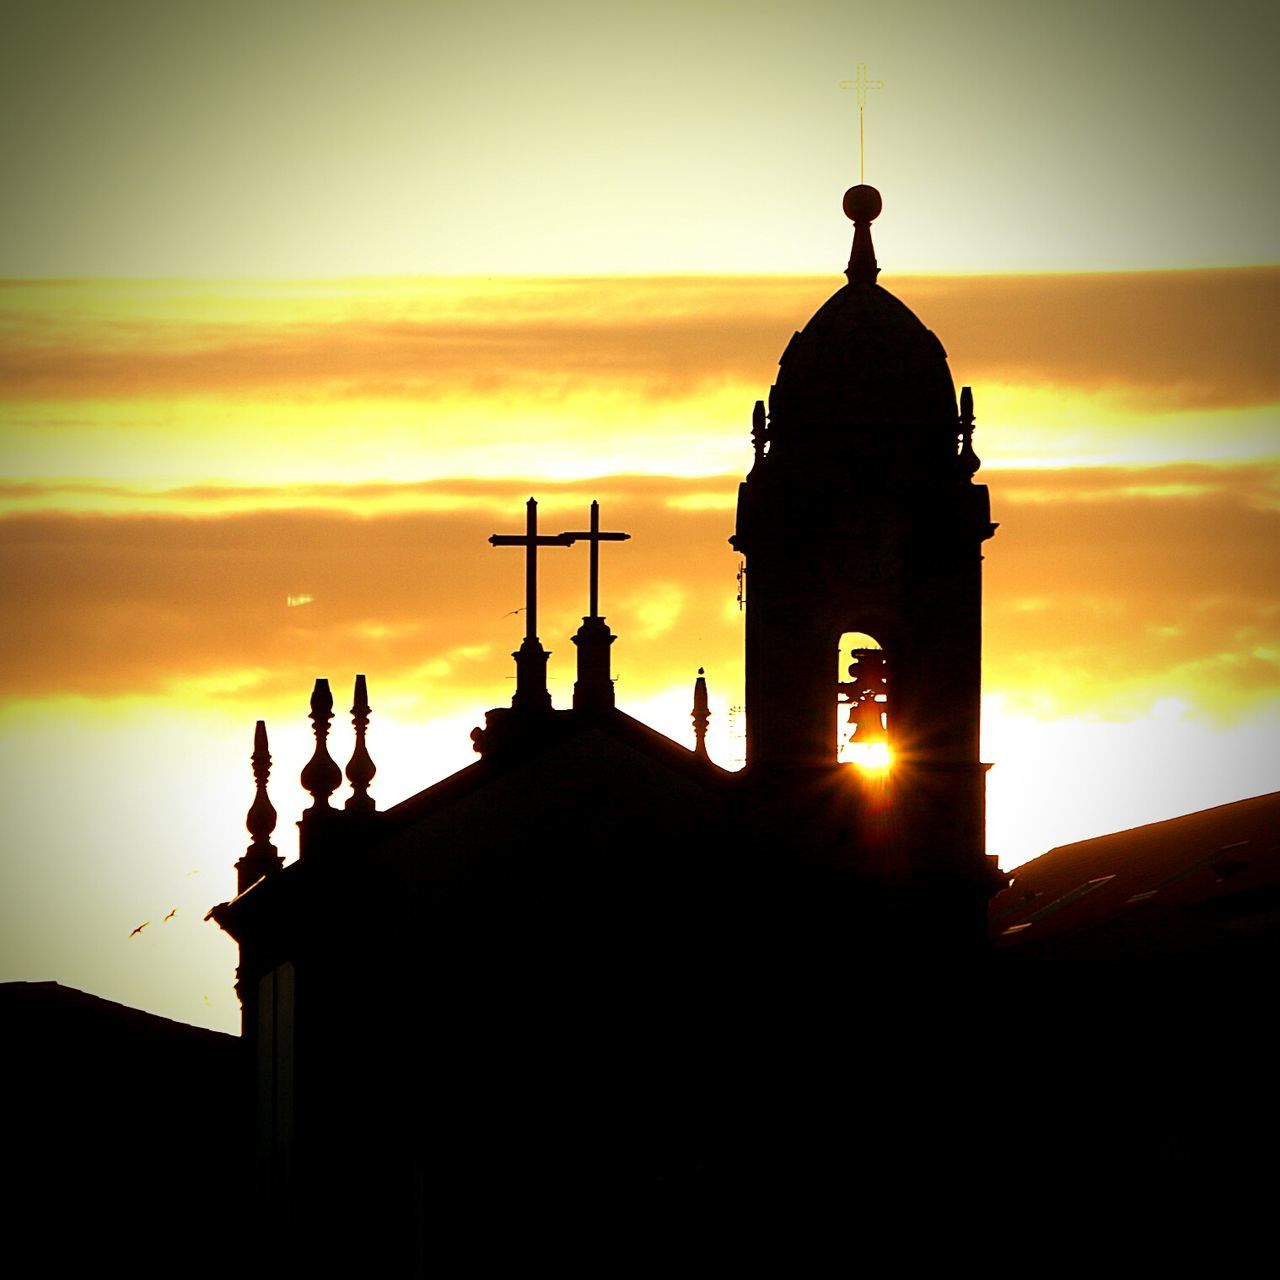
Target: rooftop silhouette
[{"x": 588, "y": 884}]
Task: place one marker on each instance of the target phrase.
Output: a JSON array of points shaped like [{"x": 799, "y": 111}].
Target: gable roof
[
  {"x": 557, "y": 738},
  {"x": 544, "y": 783}
]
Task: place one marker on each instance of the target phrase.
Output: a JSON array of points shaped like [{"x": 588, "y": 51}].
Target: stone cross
[
  {"x": 595, "y": 538},
  {"x": 530, "y": 540}
]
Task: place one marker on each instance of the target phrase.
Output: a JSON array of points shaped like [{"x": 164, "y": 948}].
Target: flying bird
[
  {"x": 512, "y": 612},
  {"x": 170, "y": 916},
  {"x": 140, "y": 928}
]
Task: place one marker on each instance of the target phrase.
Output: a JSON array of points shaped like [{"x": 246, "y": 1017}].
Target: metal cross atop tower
[
  {"x": 595, "y": 538},
  {"x": 860, "y": 84}
]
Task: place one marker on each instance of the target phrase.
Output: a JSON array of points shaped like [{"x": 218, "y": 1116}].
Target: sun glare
[
  {"x": 861, "y": 703},
  {"x": 870, "y": 757}
]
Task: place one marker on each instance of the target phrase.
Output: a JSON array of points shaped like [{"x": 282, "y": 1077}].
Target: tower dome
[{"x": 864, "y": 363}]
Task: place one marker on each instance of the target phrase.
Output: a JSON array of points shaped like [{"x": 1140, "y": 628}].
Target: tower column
[{"x": 860, "y": 514}]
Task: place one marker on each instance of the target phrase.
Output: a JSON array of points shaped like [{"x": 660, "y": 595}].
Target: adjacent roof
[{"x": 1183, "y": 885}]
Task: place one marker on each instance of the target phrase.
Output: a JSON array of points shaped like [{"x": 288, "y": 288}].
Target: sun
[{"x": 870, "y": 757}]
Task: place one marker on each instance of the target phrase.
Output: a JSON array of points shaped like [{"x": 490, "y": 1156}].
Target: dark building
[
  {"x": 1131, "y": 983},
  {"x": 594, "y": 968},
  {"x": 1193, "y": 898},
  {"x": 123, "y": 1131}
]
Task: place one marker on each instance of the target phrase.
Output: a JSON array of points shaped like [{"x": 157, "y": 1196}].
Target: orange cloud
[
  {"x": 1172, "y": 339},
  {"x": 262, "y": 602},
  {"x": 1106, "y": 589},
  {"x": 1109, "y": 588},
  {"x": 1158, "y": 339},
  {"x": 450, "y": 490}
]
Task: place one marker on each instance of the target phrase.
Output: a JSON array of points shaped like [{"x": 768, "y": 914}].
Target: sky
[{"x": 300, "y": 302}]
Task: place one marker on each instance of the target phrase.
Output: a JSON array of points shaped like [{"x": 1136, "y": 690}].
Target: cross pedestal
[{"x": 593, "y": 689}]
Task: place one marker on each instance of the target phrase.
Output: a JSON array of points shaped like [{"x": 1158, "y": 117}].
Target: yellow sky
[
  {"x": 312, "y": 138},
  {"x": 304, "y": 300},
  {"x": 217, "y": 491}
]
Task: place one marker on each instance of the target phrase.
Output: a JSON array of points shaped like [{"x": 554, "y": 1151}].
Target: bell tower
[{"x": 861, "y": 529}]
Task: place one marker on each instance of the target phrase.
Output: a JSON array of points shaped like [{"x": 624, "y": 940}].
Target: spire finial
[
  {"x": 360, "y": 768},
  {"x": 260, "y": 821},
  {"x": 261, "y": 857},
  {"x": 759, "y": 430},
  {"x": 969, "y": 461},
  {"x": 701, "y": 715},
  {"x": 862, "y": 205},
  {"x": 321, "y": 775}
]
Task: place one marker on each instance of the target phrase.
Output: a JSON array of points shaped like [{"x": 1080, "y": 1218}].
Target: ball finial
[{"x": 862, "y": 203}]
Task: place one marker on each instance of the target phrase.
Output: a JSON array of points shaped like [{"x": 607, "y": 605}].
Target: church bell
[
  {"x": 867, "y": 680},
  {"x": 867, "y": 726}
]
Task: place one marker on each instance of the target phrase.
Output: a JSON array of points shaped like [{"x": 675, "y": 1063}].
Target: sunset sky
[{"x": 301, "y": 301}]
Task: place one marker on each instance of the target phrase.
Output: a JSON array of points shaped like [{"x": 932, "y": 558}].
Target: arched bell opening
[{"x": 862, "y": 702}]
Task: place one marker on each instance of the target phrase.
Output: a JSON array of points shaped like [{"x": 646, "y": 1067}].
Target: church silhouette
[{"x": 595, "y": 966}]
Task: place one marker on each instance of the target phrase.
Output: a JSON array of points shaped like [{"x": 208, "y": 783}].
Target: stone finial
[
  {"x": 321, "y": 775},
  {"x": 360, "y": 768},
  {"x": 701, "y": 715},
  {"x": 260, "y": 858},
  {"x": 969, "y": 461},
  {"x": 862, "y": 205},
  {"x": 759, "y": 430},
  {"x": 261, "y": 818}
]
